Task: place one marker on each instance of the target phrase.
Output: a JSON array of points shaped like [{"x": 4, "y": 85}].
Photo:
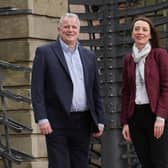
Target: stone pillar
[{"x": 20, "y": 33}]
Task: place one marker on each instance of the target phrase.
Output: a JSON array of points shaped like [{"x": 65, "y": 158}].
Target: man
[{"x": 66, "y": 98}]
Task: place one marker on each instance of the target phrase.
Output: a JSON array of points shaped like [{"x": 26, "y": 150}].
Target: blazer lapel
[
  {"x": 148, "y": 68},
  {"x": 59, "y": 53},
  {"x": 131, "y": 68},
  {"x": 84, "y": 63}
]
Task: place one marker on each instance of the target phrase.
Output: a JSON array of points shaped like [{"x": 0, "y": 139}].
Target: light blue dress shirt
[{"x": 72, "y": 57}]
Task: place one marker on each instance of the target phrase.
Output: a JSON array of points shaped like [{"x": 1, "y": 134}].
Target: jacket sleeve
[
  {"x": 125, "y": 93},
  {"x": 37, "y": 86},
  {"x": 98, "y": 100},
  {"x": 162, "y": 107}
]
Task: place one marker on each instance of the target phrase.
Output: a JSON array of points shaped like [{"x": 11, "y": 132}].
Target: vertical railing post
[{"x": 111, "y": 142}]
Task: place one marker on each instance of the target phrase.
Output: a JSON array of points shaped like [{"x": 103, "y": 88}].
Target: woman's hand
[
  {"x": 126, "y": 133},
  {"x": 159, "y": 128}
]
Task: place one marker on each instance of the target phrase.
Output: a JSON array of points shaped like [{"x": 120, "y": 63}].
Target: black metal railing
[
  {"x": 7, "y": 153},
  {"x": 11, "y": 10}
]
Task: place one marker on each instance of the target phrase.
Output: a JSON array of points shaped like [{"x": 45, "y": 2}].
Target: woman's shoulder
[
  {"x": 159, "y": 51},
  {"x": 160, "y": 55}
]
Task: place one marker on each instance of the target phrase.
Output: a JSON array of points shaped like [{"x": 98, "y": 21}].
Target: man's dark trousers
[{"x": 68, "y": 147}]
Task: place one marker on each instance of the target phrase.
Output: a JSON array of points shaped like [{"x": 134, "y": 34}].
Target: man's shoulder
[{"x": 47, "y": 45}]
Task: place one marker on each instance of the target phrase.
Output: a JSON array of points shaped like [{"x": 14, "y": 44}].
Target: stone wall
[{"x": 20, "y": 34}]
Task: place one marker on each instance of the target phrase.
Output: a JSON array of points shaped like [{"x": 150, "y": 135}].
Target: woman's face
[{"x": 141, "y": 33}]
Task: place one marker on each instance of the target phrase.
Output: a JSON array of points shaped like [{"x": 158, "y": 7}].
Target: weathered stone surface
[
  {"x": 33, "y": 44},
  {"x": 33, "y": 145},
  {"x": 24, "y": 26},
  {"x": 22, "y": 4},
  {"x": 14, "y": 50},
  {"x": 77, "y": 8},
  {"x": 42, "y": 163},
  {"x": 43, "y": 27},
  {"x": 18, "y": 29},
  {"x": 19, "y": 51},
  {"x": 21, "y": 143},
  {"x": 39, "y": 146},
  {"x": 23, "y": 117},
  {"x": 37, "y": 163},
  {"x": 43, "y": 7},
  {"x": 15, "y": 78},
  {"x": 15, "y": 105},
  {"x": 50, "y": 7}
]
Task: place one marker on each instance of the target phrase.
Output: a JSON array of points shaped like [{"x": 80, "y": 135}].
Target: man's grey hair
[{"x": 69, "y": 15}]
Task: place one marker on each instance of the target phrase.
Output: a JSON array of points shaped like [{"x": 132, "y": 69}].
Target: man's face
[{"x": 69, "y": 30}]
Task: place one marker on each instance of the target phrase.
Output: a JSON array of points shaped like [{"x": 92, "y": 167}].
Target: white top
[{"x": 141, "y": 93}]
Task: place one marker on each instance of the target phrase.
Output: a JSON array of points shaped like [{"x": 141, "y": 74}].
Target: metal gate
[{"x": 105, "y": 30}]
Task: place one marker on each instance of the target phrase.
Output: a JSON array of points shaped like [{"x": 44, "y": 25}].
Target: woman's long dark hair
[{"x": 155, "y": 40}]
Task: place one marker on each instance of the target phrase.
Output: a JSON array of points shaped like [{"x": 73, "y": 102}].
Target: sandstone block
[
  {"x": 15, "y": 105},
  {"x": 28, "y": 26},
  {"x": 54, "y": 8},
  {"x": 50, "y": 8},
  {"x": 13, "y": 50},
  {"x": 23, "y": 117},
  {"x": 21, "y": 4},
  {"x": 43, "y": 27},
  {"x": 19, "y": 51},
  {"x": 35, "y": 163},
  {"x": 33, "y": 145},
  {"x": 15, "y": 78},
  {"x": 18, "y": 29},
  {"x": 25, "y": 26}
]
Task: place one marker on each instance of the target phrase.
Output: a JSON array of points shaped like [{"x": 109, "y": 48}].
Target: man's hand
[
  {"x": 98, "y": 134},
  {"x": 45, "y": 128}
]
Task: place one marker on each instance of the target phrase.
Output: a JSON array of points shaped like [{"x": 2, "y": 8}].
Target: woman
[{"x": 145, "y": 96}]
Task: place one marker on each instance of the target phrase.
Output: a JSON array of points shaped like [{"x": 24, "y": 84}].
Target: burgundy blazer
[{"x": 156, "y": 79}]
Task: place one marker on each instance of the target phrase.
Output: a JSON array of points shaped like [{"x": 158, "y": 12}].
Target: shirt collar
[{"x": 66, "y": 48}]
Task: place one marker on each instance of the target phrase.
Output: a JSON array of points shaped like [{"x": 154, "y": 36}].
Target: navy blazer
[
  {"x": 156, "y": 80},
  {"x": 52, "y": 87}
]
